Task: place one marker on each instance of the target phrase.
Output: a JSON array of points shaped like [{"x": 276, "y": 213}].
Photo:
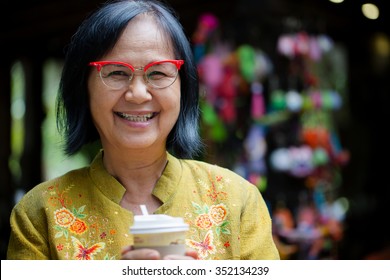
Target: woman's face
[{"x": 139, "y": 116}]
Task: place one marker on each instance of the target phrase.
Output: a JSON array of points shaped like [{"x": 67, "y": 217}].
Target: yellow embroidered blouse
[{"x": 78, "y": 216}]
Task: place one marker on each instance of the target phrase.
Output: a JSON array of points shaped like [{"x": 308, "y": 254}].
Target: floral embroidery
[
  {"x": 60, "y": 247},
  {"x": 84, "y": 253},
  {"x": 66, "y": 219},
  {"x": 213, "y": 219},
  {"x": 213, "y": 187},
  {"x": 63, "y": 217},
  {"x": 210, "y": 220},
  {"x": 214, "y": 215},
  {"x": 110, "y": 241},
  {"x": 204, "y": 247},
  {"x": 78, "y": 226},
  {"x": 203, "y": 221},
  {"x": 58, "y": 196},
  {"x": 218, "y": 213},
  {"x": 71, "y": 222}
]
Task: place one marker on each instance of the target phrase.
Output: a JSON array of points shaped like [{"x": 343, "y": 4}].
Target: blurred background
[{"x": 294, "y": 97}]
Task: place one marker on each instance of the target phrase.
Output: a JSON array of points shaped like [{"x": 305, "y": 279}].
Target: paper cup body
[{"x": 160, "y": 232}]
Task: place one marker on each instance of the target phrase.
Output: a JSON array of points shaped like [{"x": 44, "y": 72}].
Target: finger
[
  {"x": 126, "y": 249},
  {"x": 193, "y": 254},
  {"x": 141, "y": 254}
]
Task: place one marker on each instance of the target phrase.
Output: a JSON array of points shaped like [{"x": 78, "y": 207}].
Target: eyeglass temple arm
[
  {"x": 179, "y": 63},
  {"x": 98, "y": 65}
]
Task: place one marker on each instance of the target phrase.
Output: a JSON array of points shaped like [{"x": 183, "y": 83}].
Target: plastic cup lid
[{"x": 157, "y": 224}]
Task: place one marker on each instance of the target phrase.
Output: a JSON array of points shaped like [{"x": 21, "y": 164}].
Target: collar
[{"x": 111, "y": 188}]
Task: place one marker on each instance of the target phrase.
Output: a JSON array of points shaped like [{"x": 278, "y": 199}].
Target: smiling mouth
[{"x": 136, "y": 118}]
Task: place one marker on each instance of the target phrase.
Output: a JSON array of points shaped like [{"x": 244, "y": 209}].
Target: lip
[{"x": 137, "y": 117}]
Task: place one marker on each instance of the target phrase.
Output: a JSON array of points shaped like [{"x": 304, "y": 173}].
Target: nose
[{"x": 138, "y": 92}]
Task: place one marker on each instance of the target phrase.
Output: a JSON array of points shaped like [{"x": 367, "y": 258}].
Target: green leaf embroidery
[
  {"x": 57, "y": 227},
  {"x": 74, "y": 211},
  {"x": 79, "y": 212},
  {"x": 225, "y": 223},
  {"x": 66, "y": 233},
  {"x": 198, "y": 208},
  {"x": 81, "y": 209},
  {"x": 81, "y": 216},
  {"x": 107, "y": 257}
]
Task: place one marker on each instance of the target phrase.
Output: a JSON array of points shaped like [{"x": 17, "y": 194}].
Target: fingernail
[{"x": 153, "y": 255}]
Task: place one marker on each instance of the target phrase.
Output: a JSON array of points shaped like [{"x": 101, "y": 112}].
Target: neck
[{"x": 138, "y": 172}]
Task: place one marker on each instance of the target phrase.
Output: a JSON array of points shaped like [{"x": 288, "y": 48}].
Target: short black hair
[{"x": 95, "y": 37}]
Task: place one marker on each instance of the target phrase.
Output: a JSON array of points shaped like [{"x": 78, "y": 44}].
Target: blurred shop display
[{"x": 274, "y": 123}]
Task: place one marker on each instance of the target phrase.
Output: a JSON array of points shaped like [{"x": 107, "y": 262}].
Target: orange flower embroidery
[
  {"x": 64, "y": 217},
  {"x": 218, "y": 213},
  {"x": 78, "y": 226},
  {"x": 203, "y": 221}
]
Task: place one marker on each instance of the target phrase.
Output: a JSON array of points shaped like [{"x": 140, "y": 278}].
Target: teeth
[{"x": 136, "y": 118}]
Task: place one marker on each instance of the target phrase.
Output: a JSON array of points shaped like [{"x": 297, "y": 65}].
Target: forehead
[{"x": 144, "y": 36}]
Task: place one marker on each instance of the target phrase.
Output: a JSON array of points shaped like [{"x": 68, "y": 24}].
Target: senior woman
[{"x": 129, "y": 81}]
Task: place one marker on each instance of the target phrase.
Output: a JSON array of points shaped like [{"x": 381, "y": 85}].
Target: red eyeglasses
[{"x": 118, "y": 75}]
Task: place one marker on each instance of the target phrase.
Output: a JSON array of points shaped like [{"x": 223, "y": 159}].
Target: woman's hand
[
  {"x": 128, "y": 253},
  {"x": 190, "y": 255}
]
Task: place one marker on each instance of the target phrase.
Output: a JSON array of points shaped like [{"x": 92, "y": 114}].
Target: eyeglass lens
[{"x": 159, "y": 75}]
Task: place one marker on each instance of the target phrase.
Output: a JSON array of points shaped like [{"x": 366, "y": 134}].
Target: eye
[
  {"x": 162, "y": 71},
  {"x": 156, "y": 75},
  {"x": 116, "y": 71}
]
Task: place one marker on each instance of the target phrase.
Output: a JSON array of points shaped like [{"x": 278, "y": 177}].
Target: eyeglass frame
[{"x": 99, "y": 65}]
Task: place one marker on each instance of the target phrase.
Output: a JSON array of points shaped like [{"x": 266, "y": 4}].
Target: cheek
[
  {"x": 173, "y": 103},
  {"x": 94, "y": 106},
  {"x": 175, "y": 94},
  {"x": 99, "y": 101},
  {"x": 92, "y": 95}
]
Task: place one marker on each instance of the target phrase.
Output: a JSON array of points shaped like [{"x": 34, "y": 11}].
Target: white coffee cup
[{"x": 163, "y": 233}]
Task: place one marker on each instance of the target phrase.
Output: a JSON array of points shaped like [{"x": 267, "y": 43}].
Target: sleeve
[
  {"x": 27, "y": 239},
  {"x": 256, "y": 240}
]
